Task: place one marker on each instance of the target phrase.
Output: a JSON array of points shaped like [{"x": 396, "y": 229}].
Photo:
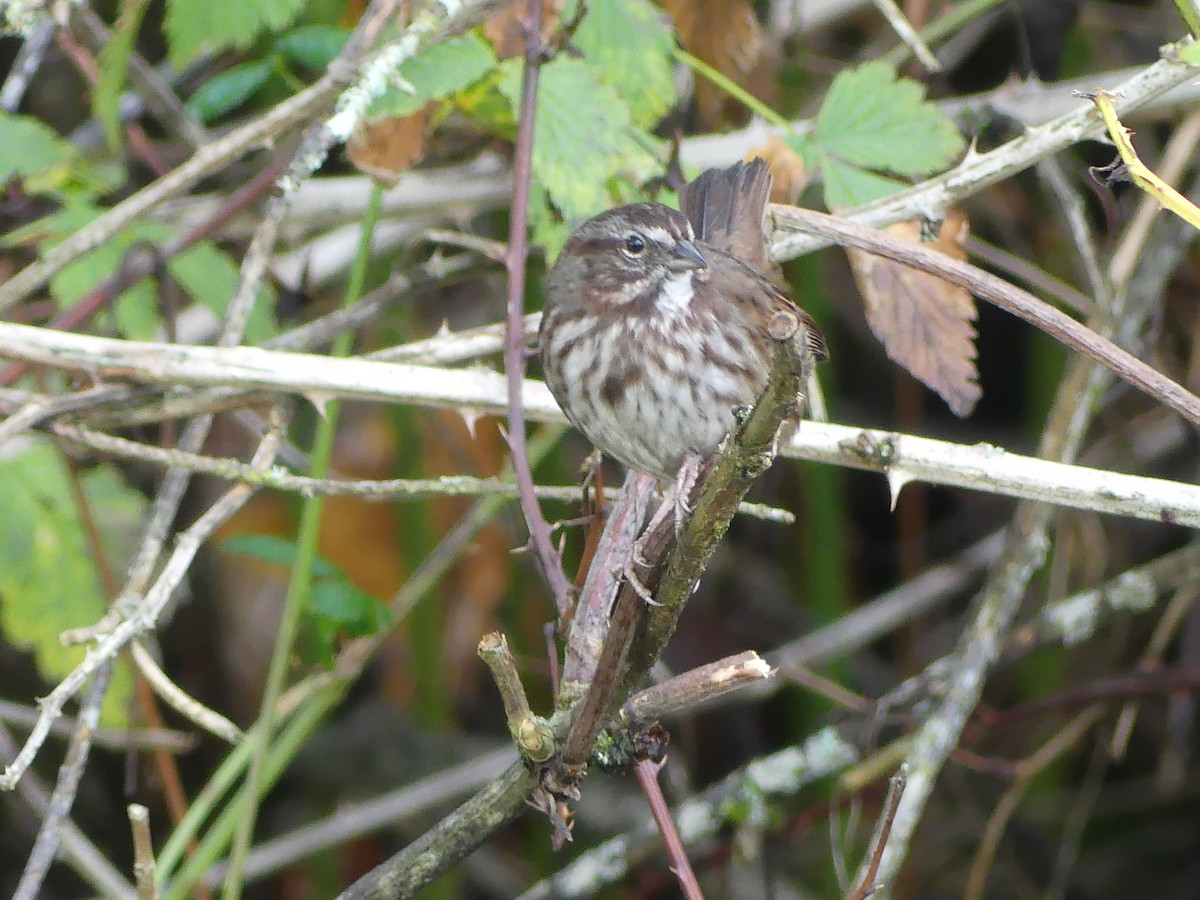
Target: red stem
[
  {"x": 514, "y": 344},
  {"x": 647, "y": 776}
]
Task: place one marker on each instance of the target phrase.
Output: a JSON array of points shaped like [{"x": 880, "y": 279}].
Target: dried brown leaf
[
  {"x": 789, "y": 176},
  {"x": 385, "y": 148},
  {"x": 727, "y": 36},
  {"x": 924, "y": 322},
  {"x": 505, "y": 30}
]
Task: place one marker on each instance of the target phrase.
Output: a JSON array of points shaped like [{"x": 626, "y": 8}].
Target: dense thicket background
[{"x": 1073, "y": 779}]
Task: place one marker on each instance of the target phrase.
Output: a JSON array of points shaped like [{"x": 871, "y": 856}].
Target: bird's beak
[{"x": 687, "y": 256}]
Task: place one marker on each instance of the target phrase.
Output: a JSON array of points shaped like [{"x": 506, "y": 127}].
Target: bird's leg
[{"x": 674, "y": 502}]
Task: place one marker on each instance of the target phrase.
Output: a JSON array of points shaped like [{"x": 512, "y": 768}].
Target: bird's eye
[{"x": 635, "y": 244}]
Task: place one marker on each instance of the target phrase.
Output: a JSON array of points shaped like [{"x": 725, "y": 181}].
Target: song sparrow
[{"x": 655, "y": 322}]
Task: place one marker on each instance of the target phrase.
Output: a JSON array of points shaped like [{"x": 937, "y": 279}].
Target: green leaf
[
  {"x": 210, "y": 277},
  {"x": 630, "y": 41},
  {"x": 340, "y": 602},
  {"x": 583, "y": 136},
  {"x": 847, "y": 186},
  {"x": 484, "y": 103},
  {"x": 229, "y": 90},
  {"x": 277, "y": 550},
  {"x": 875, "y": 120},
  {"x": 313, "y": 46},
  {"x": 48, "y": 579},
  {"x": 546, "y": 226},
  {"x": 113, "y": 61},
  {"x": 29, "y": 147},
  {"x": 137, "y": 308},
  {"x": 437, "y": 73},
  {"x": 137, "y": 312},
  {"x": 194, "y": 26}
]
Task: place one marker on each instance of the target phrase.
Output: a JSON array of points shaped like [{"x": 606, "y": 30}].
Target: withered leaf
[
  {"x": 924, "y": 322},
  {"x": 386, "y": 148},
  {"x": 505, "y": 30},
  {"x": 727, "y": 36},
  {"x": 789, "y": 176}
]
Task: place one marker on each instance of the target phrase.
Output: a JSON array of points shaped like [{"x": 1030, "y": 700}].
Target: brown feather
[{"x": 726, "y": 209}]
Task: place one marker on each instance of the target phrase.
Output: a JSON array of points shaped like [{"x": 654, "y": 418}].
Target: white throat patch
[{"x": 677, "y": 293}]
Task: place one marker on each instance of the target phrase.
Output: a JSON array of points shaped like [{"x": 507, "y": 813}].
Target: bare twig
[
  {"x": 867, "y": 886},
  {"x": 514, "y": 344},
  {"x": 532, "y": 734},
  {"x": 29, "y": 58},
  {"x": 647, "y": 776},
  {"x": 46, "y": 846},
  {"x": 435, "y": 21},
  {"x": 1008, "y": 297},
  {"x": 980, "y": 170},
  {"x": 143, "y": 851},
  {"x": 108, "y": 738},
  {"x": 691, "y": 690},
  {"x": 175, "y": 697},
  {"x": 904, "y": 30},
  {"x": 444, "y": 844},
  {"x": 1027, "y": 768},
  {"x": 76, "y": 849},
  {"x": 781, "y": 774},
  {"x": 383, "y": 490},
  {"x": 903, "y": 457}
]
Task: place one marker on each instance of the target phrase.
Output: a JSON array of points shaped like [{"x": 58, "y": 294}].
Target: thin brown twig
[
  {"x": 1004, "y": 295},
  {"x": 647, "y": 776},
  {"x": 514, "y": 345},
  {"x": 867, "y": 884}
]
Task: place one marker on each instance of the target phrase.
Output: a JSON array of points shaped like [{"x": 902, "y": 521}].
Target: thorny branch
[
  {"x": 875, "y": 450},
  {"x": 514, "y": 343}
]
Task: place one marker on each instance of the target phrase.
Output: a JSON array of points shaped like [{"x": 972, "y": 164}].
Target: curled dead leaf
[{"x": 924, "y": 323}]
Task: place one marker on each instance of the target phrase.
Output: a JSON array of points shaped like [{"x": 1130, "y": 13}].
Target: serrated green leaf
[
  {"x": 437, "y": 73},
  {"x": 229, "y": 90},
  {"x": 313, "y": 46},
  {"x": 847, "y": 186},
  {"x": 583, "y": 136},
  {"x": 113, "y": 61},
  {"x": 875, "y": 120},
  {"x": 210, "y": 277},
  {"x": 29, "y": 147},
  {"x": 194, "y": 26},
  {"x": 630, "y": 41},
  {"x": 48, "y": 580}
]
